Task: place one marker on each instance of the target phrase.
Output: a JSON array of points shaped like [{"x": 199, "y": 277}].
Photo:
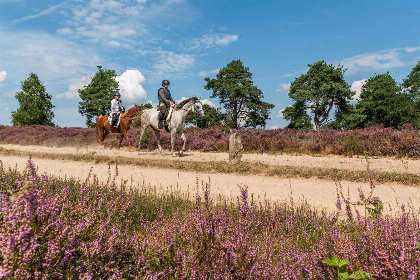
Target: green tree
[
  {"x": 211, "y": 118},
  {"x": 35, "y": 105},
  {"x": 382, "y": 103},
  {"x": 96, "y": 96},
  {"x": 298, "y": 117},
  {"x": 242, "y": 100},
  {"x": 145, "y": 106},
  {"x": 318, "y": 91},
  {"x": 412, "y": 83}
]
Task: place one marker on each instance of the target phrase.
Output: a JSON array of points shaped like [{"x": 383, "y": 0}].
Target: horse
[
  {"x": 176, "y": 124},
  {"x": 103, "y": 128}
]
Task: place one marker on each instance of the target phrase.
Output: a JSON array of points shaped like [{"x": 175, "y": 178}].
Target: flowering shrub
[
  {"x": 62, "y": 229},
  {"x": 370, "y": 141}
]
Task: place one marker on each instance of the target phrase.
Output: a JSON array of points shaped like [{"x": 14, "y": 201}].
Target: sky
[{"x": 184, "y": 41}]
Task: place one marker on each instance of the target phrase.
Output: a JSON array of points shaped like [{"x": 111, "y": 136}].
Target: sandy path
[
  {"x": 320, "y": 193},
  {"x": 376, "y": 164}
]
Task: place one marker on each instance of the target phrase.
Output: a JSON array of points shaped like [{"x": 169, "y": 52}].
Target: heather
[
  {"x": 367, "y": 141},
  {"x": 55, "y": 228}
]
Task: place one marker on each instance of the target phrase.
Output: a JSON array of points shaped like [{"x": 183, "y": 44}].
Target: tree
[
  {"x": 35, "y": 105},
  {"x": 211, "y": 118},
  {"x": 96, "y": 96},
  {"x": 412, "y": 83},
  {"x": 320, "y": 90},
  {"x": 382, "y": 103},
  {"x": 145, "y": 106},
  {"x": 298, "y": 117},
  {"x": 242, "y": 100}
]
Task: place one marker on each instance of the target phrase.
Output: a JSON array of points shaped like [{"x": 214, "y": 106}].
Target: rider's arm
[
  {"x": 163, "y": 96},
  {"x": 172, "y": 99}
]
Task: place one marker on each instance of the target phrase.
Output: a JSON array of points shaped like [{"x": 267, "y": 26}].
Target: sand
[
  {"x": 319, "y": 193},
  {"x": 356, "y": 163}
]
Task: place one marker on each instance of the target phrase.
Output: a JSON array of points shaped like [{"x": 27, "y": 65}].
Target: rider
[
  {"x": 115, "y": 108},
  {"x": 165, "y": 100}
]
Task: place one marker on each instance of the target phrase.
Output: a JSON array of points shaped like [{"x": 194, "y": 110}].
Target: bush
[
  {"x": 367, "y": 141},
  {"x": 62, "y": 229}
]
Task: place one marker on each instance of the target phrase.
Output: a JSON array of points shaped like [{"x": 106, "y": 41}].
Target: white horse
[{"x": 176, "y": 124}]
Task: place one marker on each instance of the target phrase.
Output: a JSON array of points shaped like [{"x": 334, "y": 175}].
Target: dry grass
[{"x": 249, "y": 168}]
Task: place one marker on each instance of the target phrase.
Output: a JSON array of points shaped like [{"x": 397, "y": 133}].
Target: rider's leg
[
  {"x": 162, "y": 114},
  {"x": 114, "y": 119}
]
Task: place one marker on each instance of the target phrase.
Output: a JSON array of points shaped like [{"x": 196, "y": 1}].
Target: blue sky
[{"x": 184, "y": 41}]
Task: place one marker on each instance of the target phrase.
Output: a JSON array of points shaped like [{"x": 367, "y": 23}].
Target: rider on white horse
[{"x": 165, "y": 100}]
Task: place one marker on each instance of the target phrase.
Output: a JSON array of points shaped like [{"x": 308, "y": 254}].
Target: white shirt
[{"x": 115, "y": 103}]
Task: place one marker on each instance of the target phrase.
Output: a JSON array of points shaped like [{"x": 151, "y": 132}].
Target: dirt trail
[
  {"x": 376, "y": 164},
  {"x": 319, "y": 193}
]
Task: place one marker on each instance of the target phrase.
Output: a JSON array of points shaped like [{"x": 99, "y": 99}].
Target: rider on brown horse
[
  {"x": 165, "y": 100},
  {"x": 115, "y": 109}
]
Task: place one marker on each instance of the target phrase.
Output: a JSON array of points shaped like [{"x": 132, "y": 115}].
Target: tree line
[{"x": 322, "y": 99}]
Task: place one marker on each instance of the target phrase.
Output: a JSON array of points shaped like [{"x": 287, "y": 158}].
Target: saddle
[{"x": 118, "y": 121}]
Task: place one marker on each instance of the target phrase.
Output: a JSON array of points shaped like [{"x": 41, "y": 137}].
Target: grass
[{"x": 248, "y": 168}]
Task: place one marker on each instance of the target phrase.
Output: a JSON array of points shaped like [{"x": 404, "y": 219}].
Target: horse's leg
[
  {"x": 121, "y": 138},
  {"x": 142, "y": 131},
  {"x": 182, "y": 135},
  {"x": 125, "y": 134},
  {"x": 173, "y": 137},
  {"x": 101, "y": 136},
  {"x": 104, "y": 133},
  {"x": 157, "y": 135}
]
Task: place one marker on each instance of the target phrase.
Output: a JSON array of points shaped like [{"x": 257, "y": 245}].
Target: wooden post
[{"x": 235, "y": 148}]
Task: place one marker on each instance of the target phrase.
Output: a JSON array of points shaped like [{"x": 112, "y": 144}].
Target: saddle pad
[
  {"x": 168, "y": 118},
  {"x": 110, "y": 120}
]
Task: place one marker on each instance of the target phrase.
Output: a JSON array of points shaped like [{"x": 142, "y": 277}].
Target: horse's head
[
  {"x": 197, "y": 107},
  {"x": 137, "y": 109}
]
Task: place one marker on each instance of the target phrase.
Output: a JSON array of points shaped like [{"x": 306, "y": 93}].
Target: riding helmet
[
  {"x": 117, "y": 93},
  {"x": 165, "y": 82}
]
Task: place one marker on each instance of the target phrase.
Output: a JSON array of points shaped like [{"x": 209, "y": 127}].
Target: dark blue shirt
[{"x": 166, "y": 94}]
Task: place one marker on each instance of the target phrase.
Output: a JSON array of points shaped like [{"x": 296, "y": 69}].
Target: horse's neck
[
  {"x": 130, "y": 112},
  {"x": 186, "y": 109}
]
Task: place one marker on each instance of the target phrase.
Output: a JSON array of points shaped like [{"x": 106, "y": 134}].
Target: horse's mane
[{"x": 182, "y": 103}]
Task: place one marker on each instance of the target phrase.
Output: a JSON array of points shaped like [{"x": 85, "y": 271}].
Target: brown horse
[{"x": 103, "y": 128}]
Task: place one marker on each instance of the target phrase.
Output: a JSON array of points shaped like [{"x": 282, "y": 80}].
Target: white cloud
[
  {"x": 211, "y": 40},
  {"x": 75, "y": 85},
  {"x": 273, "y": 127},
  {"x": 3, "y": 75},
  {"x": 52, "y": 58},
  {"x": 205, "y": 73},
  {"x": 410, "y": 49},
  {"x": 45, "y": 12},
  {"x": 130, "y": 84},
  {"x": 283, "y": 87},
  {"x": 280, "y": 114},
  {"x": 65, "y": 31},
  {"x": 208, "y": 102},
  {"x": 381, "y": 60},
  {"x": 172, "y": 64},
  {"x": 356, "y": 86},
  {"x": 116, "y": 44}
]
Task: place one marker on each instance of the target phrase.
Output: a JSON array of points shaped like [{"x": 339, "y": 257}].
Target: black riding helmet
[{"x": 165, "y": 82}]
